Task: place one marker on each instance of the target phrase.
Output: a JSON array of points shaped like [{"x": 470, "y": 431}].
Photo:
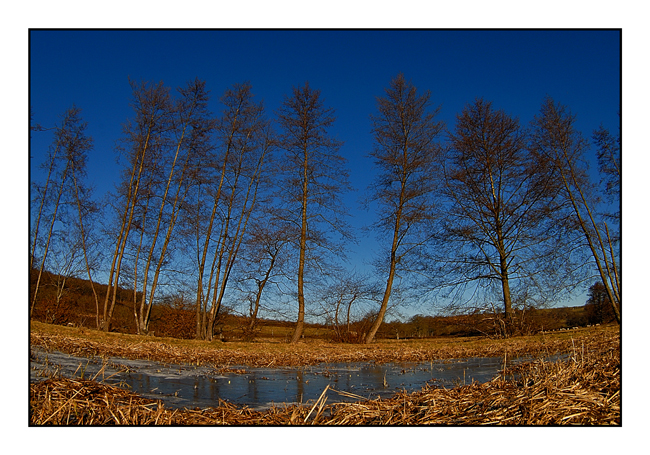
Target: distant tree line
[{"x": 245, "y": 209}]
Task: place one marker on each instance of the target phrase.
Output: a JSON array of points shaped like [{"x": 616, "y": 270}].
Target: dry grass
[
  {"x": 583, "y": 390},
  {"x": 85, "y": 342}
]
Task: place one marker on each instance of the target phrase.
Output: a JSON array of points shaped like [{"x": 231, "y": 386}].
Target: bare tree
[
  {"x": 499, "y": 226},
  {"x": 190, "y": 121},
  {"x": 245, "y": 142},
  {"x": 406, "y": 152},
  {"x": 345, "y": 302},
  {"x": 65, "y": 164},
  {"x": 609, "y": 164},
  {"x": 556, "y": 138},
  {"x": 64, "y": 262},
  {"x": 264, "y": 261},
  {"x": 86, "y": 210},
  {"x": 144, "y": 140},
  {"x": 73, "y": 248},
  {"x": 43, "y": 192},
  {"x": 314, "y": 177}
]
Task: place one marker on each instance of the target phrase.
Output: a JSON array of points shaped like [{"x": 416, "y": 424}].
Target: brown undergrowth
[
  {"x": 89, "y": 343},
  {"x": 583, "y": 389}
]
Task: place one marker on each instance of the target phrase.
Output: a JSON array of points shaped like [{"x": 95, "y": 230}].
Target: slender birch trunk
[
  {"x": 120, "y": 248},
  {"x": 152, "y": 108},
  {"x": 300, "y": 323},
  {"x": 556, "y": 138},
  {"x": 51, "y": 167},
  {"x": 405, "y": 152},
  {"x": 236, "y": 238},
  {"x": 245, "y": 145},
  {"x": 84, "y": 248},
  {"x": 143, "y": 315},
  {"x": 49, "y": 236},
  {"x": 314, "y": 176},
  {"x": 391, "y": 271}
]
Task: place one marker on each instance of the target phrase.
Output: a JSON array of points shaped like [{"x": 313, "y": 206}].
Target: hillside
[{"x": 76, "y": 307}]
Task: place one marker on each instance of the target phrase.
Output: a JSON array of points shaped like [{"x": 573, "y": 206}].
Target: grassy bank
[
  {"x": 88, "y": 342},
  {"x": 585, "y": 389}
]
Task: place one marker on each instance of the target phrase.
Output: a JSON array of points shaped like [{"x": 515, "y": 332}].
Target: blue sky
[{"x": 513, "y": 69}]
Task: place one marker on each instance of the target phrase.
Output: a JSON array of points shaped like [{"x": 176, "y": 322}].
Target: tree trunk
[
  {"x": 209, "y": 330},
  {"x": 391, "y": 274},
  {"x": 145, "y": 309},
  {"x": 84, "y": 249},
  {"x": 384, "y": 304},
  {"x": 503, "y": 270},
  {"x": 258, "y": 297},
  {"x": 127, "y": 219},
  {"x": 49, "y": 237},
  {"x": 300, "y": 324},
  {"x": 507, "y": 300}
]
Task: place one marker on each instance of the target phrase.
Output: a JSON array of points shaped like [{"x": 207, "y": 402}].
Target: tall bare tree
[
  {"x": 83, "y": 213},
  {"x": 314, "y": 177},
  {"x": 406, "y": 153},
  {"x": 66, "y": 165},
  {"x": 556, "y": 138},
  {"x": 190, "y": 122},
  {"x": 501, "y": 196},
  {"x": 145, "y": 138},
  {"x": 244, "y": 143}
]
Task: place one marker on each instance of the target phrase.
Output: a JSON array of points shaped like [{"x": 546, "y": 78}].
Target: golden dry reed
[
  {"x": 583, "y": 389},
  {"x": 310, "y": 352}
]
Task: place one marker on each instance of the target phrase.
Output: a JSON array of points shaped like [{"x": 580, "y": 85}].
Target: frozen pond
[{"x": 259, "y": 388}]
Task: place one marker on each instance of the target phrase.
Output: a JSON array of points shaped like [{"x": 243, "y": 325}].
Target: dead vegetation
[
  {"x": 584, "y": 389},
  {"x": 89, "y": 343}
]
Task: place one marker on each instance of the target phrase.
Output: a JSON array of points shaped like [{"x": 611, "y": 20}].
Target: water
[{"x": 260, "y": 388}]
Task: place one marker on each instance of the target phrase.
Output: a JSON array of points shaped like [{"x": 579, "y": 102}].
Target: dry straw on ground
[
  {"x": 312, "y": 352},
  {"x": 584, "y": 389}
]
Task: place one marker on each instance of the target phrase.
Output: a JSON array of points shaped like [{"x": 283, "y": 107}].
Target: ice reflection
[{"x": 259, "y": 388}]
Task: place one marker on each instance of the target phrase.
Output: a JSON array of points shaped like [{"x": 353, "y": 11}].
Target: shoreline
[{"x": 584, "y": 389}]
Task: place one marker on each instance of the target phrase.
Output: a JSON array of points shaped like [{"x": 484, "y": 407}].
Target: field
[{"x": 583, "y": 390}]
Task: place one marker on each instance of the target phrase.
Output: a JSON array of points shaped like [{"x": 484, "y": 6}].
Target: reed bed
[
  {"x": 266, "y": 354},
  {"x": 583, "y": 389},
  {"x": 585, "y": 392}
]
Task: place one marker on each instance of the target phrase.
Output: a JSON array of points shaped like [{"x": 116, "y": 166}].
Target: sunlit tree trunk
[
  {"x": 67, "y": 139},
  {"x": 313, "y": 177},
  {"x": 244, "y": 135},
  {"x": 232, "y": 244},
  {"x": 391, "y": 270},
  {"x": 556, "y": 138},
  {"x": 405, "y": 151},
  {"x": 190, "y": 116},
  {"x": 151, "y": 104},
  {"x": 201, "y": 299},
  {"x": 300, "y": 323},
  {"x": 82, "y": 208}
]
